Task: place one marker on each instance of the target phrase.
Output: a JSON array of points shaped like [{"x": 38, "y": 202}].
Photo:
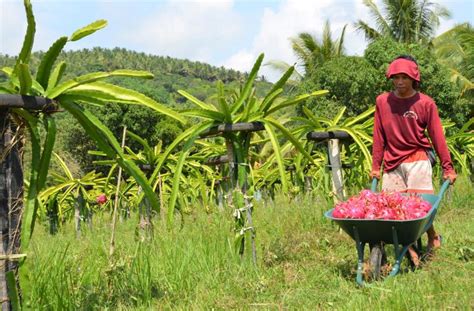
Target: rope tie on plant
[
  {"x": 238, "y": 211},
  {"x": 12, "y": 257},
  {"x": 243, "y": 230},
  {"x": 236, "y": 164}
]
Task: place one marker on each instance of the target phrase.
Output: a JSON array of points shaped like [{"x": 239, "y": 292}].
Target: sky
[{"x": 229, "y": 33}]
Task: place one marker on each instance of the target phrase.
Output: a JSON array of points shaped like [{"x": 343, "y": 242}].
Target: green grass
[{"x": 304, "y": 262}]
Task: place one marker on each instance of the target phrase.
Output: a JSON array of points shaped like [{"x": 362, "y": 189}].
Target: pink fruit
[
  {"x": 383, "y": 205},
  {"x": 101, "y": 199}
]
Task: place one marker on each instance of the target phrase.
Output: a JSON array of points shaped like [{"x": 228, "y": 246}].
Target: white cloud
[
  {"x": 188, "y": 29},
  {"x": 293, "y": 17},
  {"x": 243, "y": 60},
  {"x": 12, "y": 27}
]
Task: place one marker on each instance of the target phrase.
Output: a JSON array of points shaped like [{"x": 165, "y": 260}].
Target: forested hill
[
  {"x": 170, "y": 75},
  {"x": 101, "y": 59}
]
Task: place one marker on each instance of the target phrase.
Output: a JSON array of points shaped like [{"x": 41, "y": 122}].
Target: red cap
[{"x": 405, "y": 66}]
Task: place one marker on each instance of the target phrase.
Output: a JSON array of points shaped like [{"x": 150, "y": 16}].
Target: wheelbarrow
[{"x": 376, "y": 233}]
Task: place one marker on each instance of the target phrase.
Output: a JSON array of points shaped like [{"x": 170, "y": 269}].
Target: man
[{"x": 401, "y": 118}]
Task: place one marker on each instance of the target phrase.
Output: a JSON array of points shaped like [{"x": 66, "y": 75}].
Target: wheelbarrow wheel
[{"x": 377, "y": 258}]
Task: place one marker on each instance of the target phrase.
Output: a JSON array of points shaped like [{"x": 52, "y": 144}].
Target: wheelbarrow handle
[
  {"x": 373, "y": 188},
  {"x": 443, "y": 189}
]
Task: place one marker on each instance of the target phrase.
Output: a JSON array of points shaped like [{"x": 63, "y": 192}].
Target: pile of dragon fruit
[{"x": 383, "y": 205}]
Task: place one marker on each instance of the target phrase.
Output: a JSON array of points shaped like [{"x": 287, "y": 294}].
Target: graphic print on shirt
[{"x": 410, "y": 114}]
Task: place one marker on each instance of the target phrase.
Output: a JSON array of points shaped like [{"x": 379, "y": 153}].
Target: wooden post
[
  {"x": 11, "y": 201},
  {"x": 78, "y": 211},
  {"x": 336, "y": 169},
  {"x": 308, "y": 184},
  {"x": 11, "y": 185},
  {"x": 145, "y": 225},
  {"x": 114, "y": 214},
  {"x": 237, "y": 195},
  {"x": 160, "y": 193},
  {"x": 220, "y": 197},
  {"x": 334, "y": 158}
]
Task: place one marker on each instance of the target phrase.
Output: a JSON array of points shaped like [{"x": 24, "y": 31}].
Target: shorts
[{"x": 409, "y": 177}]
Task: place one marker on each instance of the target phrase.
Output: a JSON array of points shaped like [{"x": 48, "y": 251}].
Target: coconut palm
[
  {"x": 455, "y": 49},
  {"x": 312, "y": 53},
  {"x": 409, "y": 21}
]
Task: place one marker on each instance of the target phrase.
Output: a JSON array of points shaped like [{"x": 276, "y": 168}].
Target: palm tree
[
  {"x": 455, "y": 49},
  {"x": 311, "y": 52},
  {"x": 409, "y": 21}
]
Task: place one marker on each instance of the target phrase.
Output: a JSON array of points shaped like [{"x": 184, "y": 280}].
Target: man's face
[{"x": 403, "y": 83}]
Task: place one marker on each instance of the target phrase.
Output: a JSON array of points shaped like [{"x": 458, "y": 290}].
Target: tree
[
  {"x": 455, "y": 49},
  {"x": 311, "y": 52},
  {"x": 409, "y": 21},
  {"x": 352, "y": 83}
]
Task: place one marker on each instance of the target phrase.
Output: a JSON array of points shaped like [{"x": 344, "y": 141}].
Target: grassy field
[{"x": 304, "y": 262}]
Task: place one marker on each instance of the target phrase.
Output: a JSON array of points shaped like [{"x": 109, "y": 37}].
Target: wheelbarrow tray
[
  {"x": 400, "y": 233},
  {"x": 376, "y": 230}
]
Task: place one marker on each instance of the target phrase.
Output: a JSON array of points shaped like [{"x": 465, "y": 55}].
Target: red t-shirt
[{"x": 399, "y": 130}]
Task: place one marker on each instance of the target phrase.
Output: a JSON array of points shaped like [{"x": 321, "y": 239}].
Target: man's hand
[
  {"x": 375, "y": 174},
  {"x": 451, "y": 176}
]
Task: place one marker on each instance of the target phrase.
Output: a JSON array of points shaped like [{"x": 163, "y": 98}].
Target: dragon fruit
[
  {"x": 101, "y": 199},
  {"x": 383, "y": 205}
]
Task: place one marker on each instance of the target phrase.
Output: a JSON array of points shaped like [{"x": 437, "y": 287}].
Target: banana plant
[{"x": 70, "y": 95}]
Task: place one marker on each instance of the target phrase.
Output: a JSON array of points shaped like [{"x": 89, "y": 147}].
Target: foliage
[
  {"x": 455, "y": 49},
  {"x": 244, "y": 106},
  {"x": 351, "y": 81},
  {"x": 461, "y": 147}
]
